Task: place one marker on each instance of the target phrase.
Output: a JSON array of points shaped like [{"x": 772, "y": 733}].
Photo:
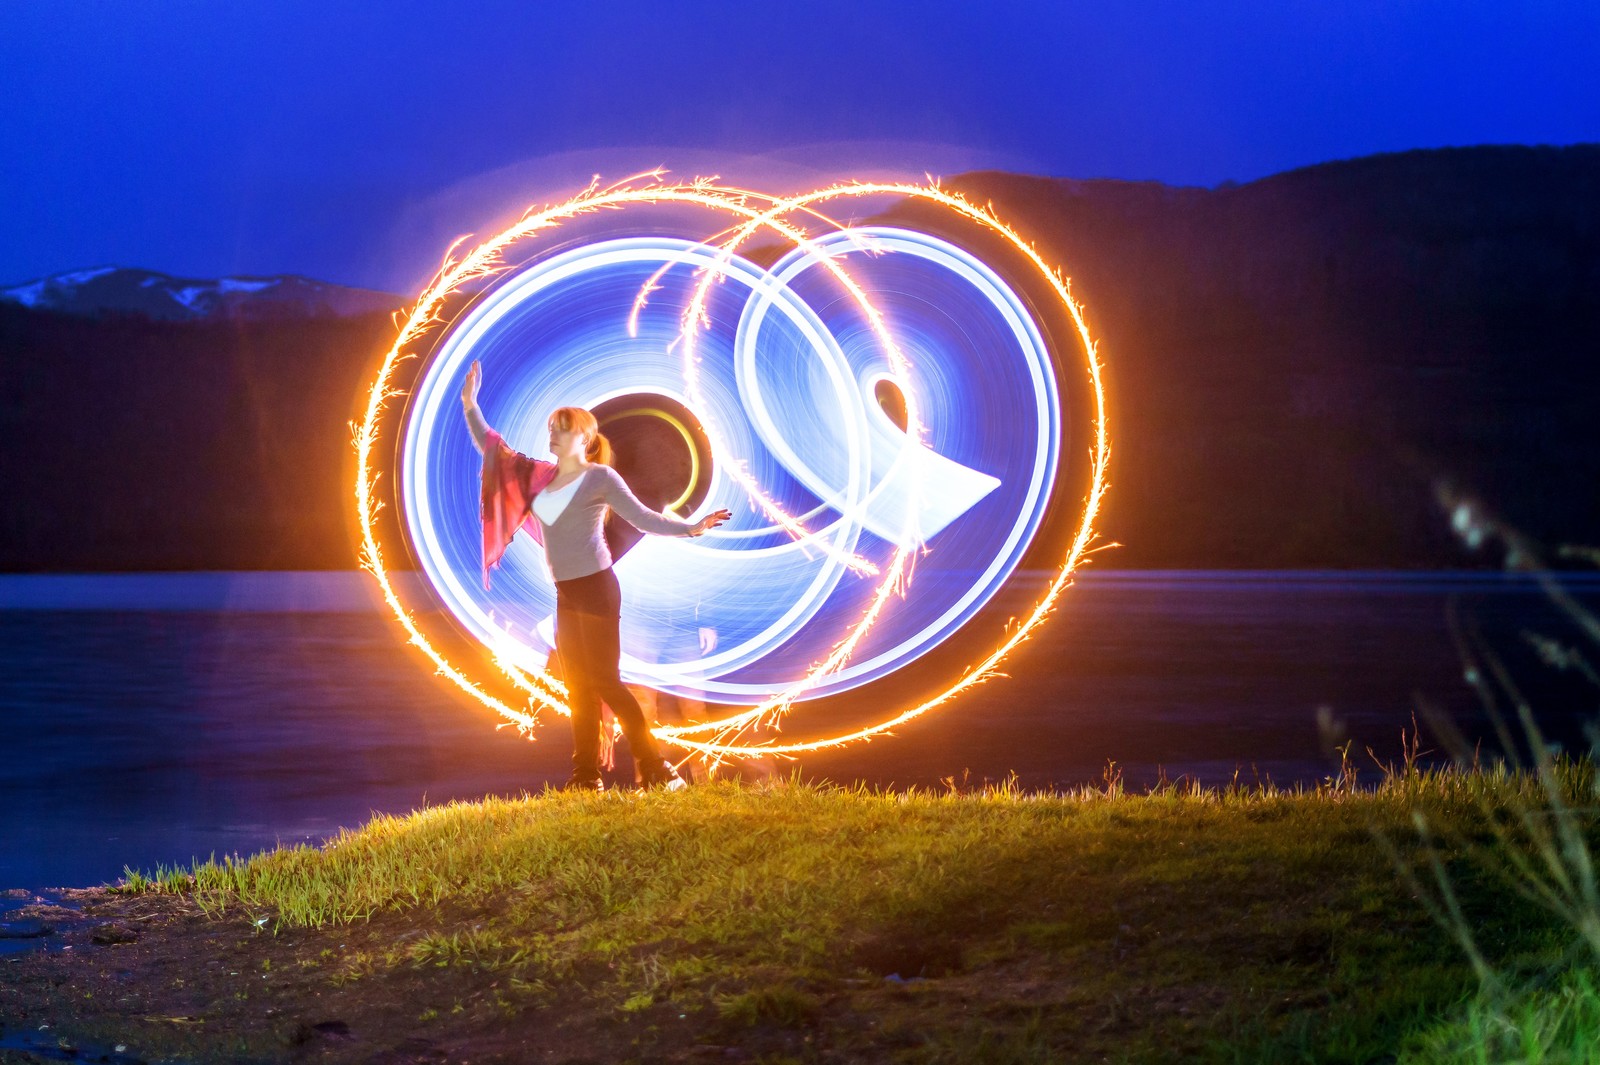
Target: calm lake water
[{"x": 153, "y": 719}]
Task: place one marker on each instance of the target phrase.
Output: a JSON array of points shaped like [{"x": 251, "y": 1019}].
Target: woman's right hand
[
  {"x": 469, "y": 391},
  {"x": 710, "y": 521}
]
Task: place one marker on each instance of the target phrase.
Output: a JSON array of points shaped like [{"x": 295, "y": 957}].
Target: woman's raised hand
[
  {"x": 469, "y": 407},
  {"x": 710, "y": 521}
]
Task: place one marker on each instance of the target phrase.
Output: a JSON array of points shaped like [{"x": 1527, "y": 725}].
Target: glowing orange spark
[{"x": 485, "y": 261}]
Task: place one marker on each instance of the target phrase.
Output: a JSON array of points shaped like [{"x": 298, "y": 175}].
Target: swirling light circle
[{"x": 738, "y": 354}]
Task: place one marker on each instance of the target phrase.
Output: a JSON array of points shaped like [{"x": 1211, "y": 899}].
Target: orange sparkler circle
[{"x": 486, "y": 261}]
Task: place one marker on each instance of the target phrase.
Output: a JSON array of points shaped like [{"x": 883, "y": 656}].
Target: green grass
[
  {"x": 169, "y": 881},
  {"x": 1234, "y": 924},
  {"x": 1540, "y": 1026},
  {"x": 1541, "y": 850}
]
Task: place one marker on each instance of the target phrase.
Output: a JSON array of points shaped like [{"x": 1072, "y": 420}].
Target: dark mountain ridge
[
  {"x": 1294, "y": 366},
  {"x": 127, "y": 290}
]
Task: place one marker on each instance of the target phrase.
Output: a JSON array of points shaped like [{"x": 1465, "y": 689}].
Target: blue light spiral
[{"x": 788, "y": 373}]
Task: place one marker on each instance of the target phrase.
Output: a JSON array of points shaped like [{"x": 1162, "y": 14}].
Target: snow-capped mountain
[{"x": 127, "y": 290}]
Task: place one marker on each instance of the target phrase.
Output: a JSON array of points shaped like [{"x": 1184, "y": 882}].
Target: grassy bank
[{"x": 796, "y": 923}]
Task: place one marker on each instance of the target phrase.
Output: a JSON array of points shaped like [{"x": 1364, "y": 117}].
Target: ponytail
[{"x": 599, "y": 449}]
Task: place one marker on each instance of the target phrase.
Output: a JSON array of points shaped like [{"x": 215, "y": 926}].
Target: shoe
[
  {"x": 577, "y": 783},
  {"x": 666, "y": 778}
]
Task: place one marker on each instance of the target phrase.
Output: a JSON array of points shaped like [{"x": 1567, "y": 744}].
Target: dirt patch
[
  {"x": 147, "y": 978},
  {"x": 153, "y": 975}
]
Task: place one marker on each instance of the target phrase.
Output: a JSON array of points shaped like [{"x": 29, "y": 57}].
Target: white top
[
  {"x": 572, "y": 521},
  {"x": 549, "y": 505}
]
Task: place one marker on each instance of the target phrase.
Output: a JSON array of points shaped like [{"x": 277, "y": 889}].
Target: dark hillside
[
  {"x": 1293, "y": 364},
  {"x": 140, "y": 444},
  {"x": 1296, "y": 361}
]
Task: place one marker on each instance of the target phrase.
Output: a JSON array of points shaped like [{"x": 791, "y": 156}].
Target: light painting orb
[
  {"x": 795, "y": 398},
  {"x": 876, "y": 406}
]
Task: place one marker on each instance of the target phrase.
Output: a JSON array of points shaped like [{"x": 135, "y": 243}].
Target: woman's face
[{"x": 567, "y": 441}]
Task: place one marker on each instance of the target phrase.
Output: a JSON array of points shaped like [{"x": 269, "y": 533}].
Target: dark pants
[{"x": 588, "y": 616}]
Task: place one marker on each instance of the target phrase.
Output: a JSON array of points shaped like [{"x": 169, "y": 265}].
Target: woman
[{"x": 563, "y": 506}]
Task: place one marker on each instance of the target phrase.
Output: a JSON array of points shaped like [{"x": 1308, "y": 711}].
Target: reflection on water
[{"x": 158, "y": 718}]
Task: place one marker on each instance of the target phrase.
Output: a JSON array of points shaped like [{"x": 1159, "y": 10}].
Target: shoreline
[{"x": 353, "y": 591}]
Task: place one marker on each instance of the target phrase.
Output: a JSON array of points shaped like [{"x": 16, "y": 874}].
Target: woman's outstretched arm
[
  {"x": 476, "y": 424},
  {"x": 617, "y": 496}
]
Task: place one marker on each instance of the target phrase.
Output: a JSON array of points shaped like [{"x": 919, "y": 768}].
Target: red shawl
[{"x": 510, "y": 481}]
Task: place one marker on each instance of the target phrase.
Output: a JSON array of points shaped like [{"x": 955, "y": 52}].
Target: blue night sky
[{"x": 349, "y": 142}]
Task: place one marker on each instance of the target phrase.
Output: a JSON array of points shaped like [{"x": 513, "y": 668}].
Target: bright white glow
[{"x": 786, "y": 373}]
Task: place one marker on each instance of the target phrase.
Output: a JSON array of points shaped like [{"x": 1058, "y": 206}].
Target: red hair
[{"x": 569, "y": 419}]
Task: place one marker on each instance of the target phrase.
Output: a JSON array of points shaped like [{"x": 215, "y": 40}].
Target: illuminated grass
[
  {"x": 1541, "y": 848},
  {"x": 1228, "y": 924},
  {"x": 1560, "y": 1024}
]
